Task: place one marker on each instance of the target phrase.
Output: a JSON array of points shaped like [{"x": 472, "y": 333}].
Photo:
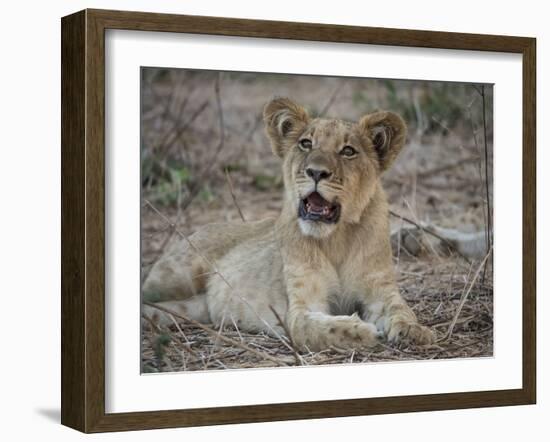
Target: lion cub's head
[{"x": 331, "y": 167}]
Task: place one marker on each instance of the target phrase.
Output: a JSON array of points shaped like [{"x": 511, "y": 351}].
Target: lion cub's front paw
[
  {"x": 347, "y": 334},
  {"x": 409, "y": 331}
]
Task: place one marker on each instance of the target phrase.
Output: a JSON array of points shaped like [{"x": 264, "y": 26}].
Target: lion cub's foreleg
[
  {"x": 388, "y": 311},
  {"x": 308, "y": 319}
]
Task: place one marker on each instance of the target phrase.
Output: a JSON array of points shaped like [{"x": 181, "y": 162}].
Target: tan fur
[{"x": 333, "y": 284}]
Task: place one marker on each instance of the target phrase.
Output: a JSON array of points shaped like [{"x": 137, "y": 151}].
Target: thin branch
[
  {"x": 241, "y": 153},
  {"x": 430, "y": 232},
  {"x": 257, "y": 122},
  {"x": 187, "y": 344},
  {"x": 196, "y": 186},
  {"x": 186, "y": 238},
  {"x": 154, "y": 326},
  {"x": 236, "y": 327},
  {"x": 402, "y": 179},
  {"x": 445, "y": 167},
  {"x": 434, "y": 251},
  {"x": 489, "y": 217},
  {"x": 215, "y": 334},
  {"x": 295, "y": 352},
  {"x": 480, "y": 166},
  {"x": 160, "y": 253},
  {"x": 464, "y": 297},
  {"x": 332, "y": 98},
  {"x": 480, "y": 92},
  {"x": 172, "y": 136},
  {"x": 232, "y": 191}
]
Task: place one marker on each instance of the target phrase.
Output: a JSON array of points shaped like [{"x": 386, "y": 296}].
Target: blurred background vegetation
[{"x": 184, "y": 158}]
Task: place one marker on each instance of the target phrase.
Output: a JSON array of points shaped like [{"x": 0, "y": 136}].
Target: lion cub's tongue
[{"x": 317, "y": 202}]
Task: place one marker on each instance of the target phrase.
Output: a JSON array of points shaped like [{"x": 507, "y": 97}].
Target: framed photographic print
[{"x": 268, "y": 220}]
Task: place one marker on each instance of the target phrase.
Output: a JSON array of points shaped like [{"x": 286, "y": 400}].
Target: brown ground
[{"x": 439, "y": 178}]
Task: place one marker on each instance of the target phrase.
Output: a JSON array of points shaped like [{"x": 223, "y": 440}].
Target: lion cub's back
[{"x": 215, "y": 239}]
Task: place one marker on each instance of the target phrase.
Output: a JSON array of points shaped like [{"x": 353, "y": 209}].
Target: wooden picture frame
[{"x": 83, "y": 220}]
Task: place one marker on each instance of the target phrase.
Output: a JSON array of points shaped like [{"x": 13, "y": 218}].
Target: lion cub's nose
[{"x": 318, "y": 175}]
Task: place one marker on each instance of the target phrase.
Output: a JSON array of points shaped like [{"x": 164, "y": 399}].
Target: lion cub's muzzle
[{"x": 315, "y": 208}]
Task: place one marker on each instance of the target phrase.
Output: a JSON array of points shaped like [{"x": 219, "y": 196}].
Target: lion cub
[{"x": 324, "y": 265}]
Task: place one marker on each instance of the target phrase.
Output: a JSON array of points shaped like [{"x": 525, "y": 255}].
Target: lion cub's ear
[
  {"x": 386, "y": 131},
  {"x": 284, "y": 122}
]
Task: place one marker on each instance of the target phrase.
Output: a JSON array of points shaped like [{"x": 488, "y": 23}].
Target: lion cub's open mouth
[{"x": 315, "y": 208}]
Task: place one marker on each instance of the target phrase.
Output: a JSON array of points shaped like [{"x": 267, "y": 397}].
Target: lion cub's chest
[{"x": 347, "y": 283}]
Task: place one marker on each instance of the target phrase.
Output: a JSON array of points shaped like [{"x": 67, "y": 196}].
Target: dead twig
[
  {"x": 487, "y": 191},
  {"x": 154, "y": 326},
  {"x": 163, "y": 245},
  {"x": 332, "y": 98},
  {"x": 171, "y": 137},
  {"x": 434, "y": 251},
  {"x": 217, "y": 335},
  {"x": 186, "y": 238},
  {"x": 187, "y": 344},
  {"x": 199, "y": 182},
  {"x": 430, "y": 232},
  {"x": 446, "y": 323},
  {"x": 232, "y": 192},
  {"x": 297, "y": 357},
  {"x": 464, "y": 297},
  {"x": 446, "y": 167},
  {"x": 480, "y": 167}
]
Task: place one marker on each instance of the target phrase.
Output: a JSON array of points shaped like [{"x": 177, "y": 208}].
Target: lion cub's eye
[
  {"x": 305, "y": 144},
  {"x": 348, "y": 152}
]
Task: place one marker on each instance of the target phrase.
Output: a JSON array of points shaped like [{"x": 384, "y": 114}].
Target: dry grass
[
  {"x": 440, "y": 178},
  {"x": 432, "y": 289}
]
